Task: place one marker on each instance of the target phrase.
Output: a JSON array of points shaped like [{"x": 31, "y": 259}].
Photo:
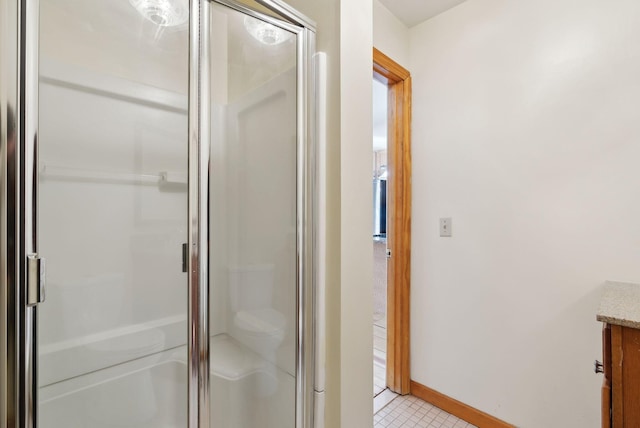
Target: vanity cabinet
[
  {"x": 606, "y": 382},
  {"x": 621, "y": 383},
  {"x": 620, "y": 312}
]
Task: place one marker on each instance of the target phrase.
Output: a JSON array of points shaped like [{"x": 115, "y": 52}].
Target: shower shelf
[{"x": 67, "y": 173}]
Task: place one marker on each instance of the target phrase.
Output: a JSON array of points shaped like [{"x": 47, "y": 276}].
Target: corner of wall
[
  {"x": 356, "y": 65},
  {"x": 390, "y": 35}
]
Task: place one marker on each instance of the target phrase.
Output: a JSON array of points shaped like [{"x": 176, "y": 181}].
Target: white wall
[
  {"x": 390, "y": 35},
  {"x": 356, "y": 64},
  {"x": 525, "y": 132}
]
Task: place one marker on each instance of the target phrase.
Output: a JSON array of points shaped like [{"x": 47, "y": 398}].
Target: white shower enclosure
[{"x": 159, "y": 156}]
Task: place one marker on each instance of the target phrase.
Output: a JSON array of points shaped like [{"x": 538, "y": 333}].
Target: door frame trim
[{"x": 398, "y": 80}]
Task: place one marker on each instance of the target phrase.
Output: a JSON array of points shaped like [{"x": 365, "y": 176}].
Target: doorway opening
[
  {"x": 380, "y": 95},
  {"x": 392, "y": 227}
]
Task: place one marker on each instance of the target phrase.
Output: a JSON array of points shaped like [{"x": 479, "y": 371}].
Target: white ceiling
[{"x": 412, "y": 12}]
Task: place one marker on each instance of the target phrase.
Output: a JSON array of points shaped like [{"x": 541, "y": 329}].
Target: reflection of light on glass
[
  {"x": 164, "y": 13},
  {"x": 264, "y": 32}
]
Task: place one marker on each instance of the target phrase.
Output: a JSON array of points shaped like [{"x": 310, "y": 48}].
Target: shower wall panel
[
  {"x": 262, "y": 205},
  {"x": 108, "y": 223},
  {"x": 254, "y": 224},
  {"x": 112, "y": 196}
]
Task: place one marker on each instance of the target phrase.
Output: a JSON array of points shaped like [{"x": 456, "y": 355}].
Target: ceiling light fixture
[
  {"x": 164, "y": 13},
  {"x": 265, "y": 32}
]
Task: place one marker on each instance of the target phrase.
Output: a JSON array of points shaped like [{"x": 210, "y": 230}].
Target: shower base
[{"x": 151, "y": 392}]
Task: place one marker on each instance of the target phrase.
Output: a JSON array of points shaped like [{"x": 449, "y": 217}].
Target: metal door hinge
[
  {"x": 388, "y": 253},
  {"x": 598, "y": 367},
  {"x": 36, "y": 279}
]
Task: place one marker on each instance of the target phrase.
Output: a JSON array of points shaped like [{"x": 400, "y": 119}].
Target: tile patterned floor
[{"x": 409, "y": 412}]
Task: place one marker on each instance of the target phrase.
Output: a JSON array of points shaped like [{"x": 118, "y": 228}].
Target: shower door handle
[
  {"x": 36, "y": 279},
  {"x": 185, "y": 257}
]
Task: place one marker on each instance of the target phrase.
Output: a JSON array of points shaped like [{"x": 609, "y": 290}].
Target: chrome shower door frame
[
  {"x": 19, "y": 25},
  {"x": 9, "y": 59},
  {"x": 18, "y": 209},
  {"x": 199, "y": 175}
]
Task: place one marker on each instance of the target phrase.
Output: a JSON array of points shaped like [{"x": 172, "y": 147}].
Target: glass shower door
[
  {"x": 96, "y": 181},
  {"x": 113, "y": 214},
  {"x": 254, "y": 220}
]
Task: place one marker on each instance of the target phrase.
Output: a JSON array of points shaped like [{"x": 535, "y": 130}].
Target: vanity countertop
[{"x": 620, "y": 304}]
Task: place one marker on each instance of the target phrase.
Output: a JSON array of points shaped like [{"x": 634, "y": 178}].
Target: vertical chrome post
[
  {"x": 29, "y": 195},
  {"x": 306, "y": 233},
  {"x": 198, "y": 215},
  {"x": 18, "y": 216},
  {"x": 9, "y": 84}
]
